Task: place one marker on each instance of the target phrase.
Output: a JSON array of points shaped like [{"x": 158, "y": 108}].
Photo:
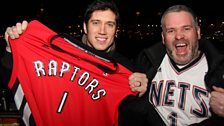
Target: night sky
[
  {"x": 57, "y": 14},
  {"x": 65, "y": 10}
]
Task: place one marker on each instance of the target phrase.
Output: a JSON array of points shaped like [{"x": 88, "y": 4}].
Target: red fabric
[{"x": 45, "y": 75}]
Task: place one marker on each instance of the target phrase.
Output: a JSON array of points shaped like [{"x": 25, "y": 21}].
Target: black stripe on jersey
[
  {"x": 15, "y": 87},
  {"x": 187, "y": 66},
  {"x": 31, "y": 121},
  {"x": 21, "y": 109},
  {"x": 96, "y": 53},
  {"x": 22, "y": 106}
]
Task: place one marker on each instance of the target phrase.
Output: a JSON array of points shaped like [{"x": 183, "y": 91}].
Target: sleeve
[
  {"x": 216, "y": 75},
  {"x": 7, "y": 60},
  {"x": 215, "y": 58},
  {"x": 134, "y": 111},
  {"x": 141, "y": 62},
  {"x": 6, "y": 68},
  {"x": 214, "y": 120}
]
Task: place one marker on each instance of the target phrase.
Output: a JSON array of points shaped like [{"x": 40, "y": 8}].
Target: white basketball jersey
[{"x": 179, "y": 94}]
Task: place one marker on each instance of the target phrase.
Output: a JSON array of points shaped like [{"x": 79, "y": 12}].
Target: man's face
[
  {"x": 101, "y": 29},
  {"x": 181, "y": 37}
]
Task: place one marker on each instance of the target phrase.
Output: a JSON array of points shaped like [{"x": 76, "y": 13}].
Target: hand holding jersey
[
  {"x": 138, "y": 82},
  {"x": 134, "y": 80},
  {"x": 100, "y": 24},
  {"x": 14, "y": 32},
  {"x": 61, "y": 86}
]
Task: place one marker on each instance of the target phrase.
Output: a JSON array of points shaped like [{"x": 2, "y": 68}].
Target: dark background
[
  {"x": 68, "y": 9},
  {"x": 137, "y": 31}
]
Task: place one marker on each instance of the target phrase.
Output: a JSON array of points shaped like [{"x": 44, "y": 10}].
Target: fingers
[
  {"x": 24, "y": 25},
  {"x": 21, "y": 27},
  {"x": 11, "y": 32},
  {"x": 138, "y": 82},
  {"x": 217, "y": 103},
  {"x": 15, "y": 31},
  {"x": 137, "y": 78},
  {"x": 141, "y": 89},
  {"x": 18, "y": 28},
  {"x": 217, "y": 96},
  {"x": 218, "y": 89},
  {"x": 217, "y": 106}
]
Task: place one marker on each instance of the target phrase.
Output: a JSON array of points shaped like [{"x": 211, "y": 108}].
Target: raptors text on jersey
[{"x": 67, "y": 85}]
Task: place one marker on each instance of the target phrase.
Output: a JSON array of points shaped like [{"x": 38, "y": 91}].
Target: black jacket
[{"x": 149, "y": 60}]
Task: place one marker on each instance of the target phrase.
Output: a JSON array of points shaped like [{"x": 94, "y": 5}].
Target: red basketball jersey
[{"x": 64, "y": 86}]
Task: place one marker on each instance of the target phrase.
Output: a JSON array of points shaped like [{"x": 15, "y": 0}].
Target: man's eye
[
  {"x": 187, "y": 29},
  {"x": 95, "y": 22},
  {"x": 169, "y": 31},
  {"x": 111, "y": 25}
]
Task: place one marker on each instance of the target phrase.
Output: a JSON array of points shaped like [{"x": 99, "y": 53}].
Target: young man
[
  {"x": 100, "y": 25},
  {"x": 183, "y": 69}
]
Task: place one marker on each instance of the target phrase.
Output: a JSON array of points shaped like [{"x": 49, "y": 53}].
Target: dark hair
[
  {"x": 101, "y": 5},
  {"x": 179, "y": 8}
]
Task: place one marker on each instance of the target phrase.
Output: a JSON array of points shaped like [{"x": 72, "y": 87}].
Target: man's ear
[
  {"x": 199, "y": 33},
  {"x": 163, "y": 39},
  {"x": 85, "y": 27}
]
